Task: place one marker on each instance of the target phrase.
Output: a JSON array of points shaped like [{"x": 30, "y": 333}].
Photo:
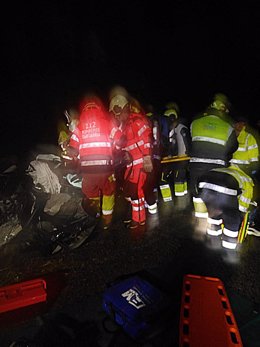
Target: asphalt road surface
[{"x": 172, "y": 244}]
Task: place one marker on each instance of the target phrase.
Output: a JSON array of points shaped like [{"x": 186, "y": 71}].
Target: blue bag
[{"x": 141, "y": 309}]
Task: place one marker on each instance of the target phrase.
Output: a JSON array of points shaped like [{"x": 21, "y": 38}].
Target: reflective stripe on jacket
[
  {"x": 244, "y": 181},
  {"x": 138, "y": 135},
  {"x": 247, "y": 151},
  {"x": 93, "y": 139},
  {"x": 213, "y": 140}
]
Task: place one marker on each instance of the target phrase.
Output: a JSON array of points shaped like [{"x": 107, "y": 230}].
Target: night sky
[{"x": 185, "y": 51}]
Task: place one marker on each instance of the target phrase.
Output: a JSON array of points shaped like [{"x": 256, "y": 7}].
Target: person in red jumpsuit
[
  {"x": 93, "y": 142},
  {"x": 137, "y": 144}
]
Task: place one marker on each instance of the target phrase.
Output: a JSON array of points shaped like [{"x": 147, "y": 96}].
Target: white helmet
[{"x": 117, "y": 103}]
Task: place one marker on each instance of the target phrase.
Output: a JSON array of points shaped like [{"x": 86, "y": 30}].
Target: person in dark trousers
[
  {"x": 213, "y": 142},
  {"x": 227, "y": 193},
  {"x": 153, "y": 178}
]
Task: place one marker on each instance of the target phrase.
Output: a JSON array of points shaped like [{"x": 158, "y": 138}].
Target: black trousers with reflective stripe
[{"x": 223, "y": 206}]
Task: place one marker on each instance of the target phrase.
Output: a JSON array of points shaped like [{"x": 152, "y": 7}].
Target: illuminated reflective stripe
[
  {"x": 180, "y": 193},
  {"x": 197, "y": 200},
  {"x": 167, "y": 199},
  {"x": 244, "y": 199},
  {"x": 129, "y": 148},
  {"x": 155, "y": 133},
  {"x": 136, "y": 162},
  {"x": 74, "y": 137},
  {"x": 218, "y": 188},
  {"x": 214, "y": 232},
  {"x": 242, "y": 208},
  {"x": 158, "y": 157},
  {"x": 229, "y": 245},
  {"x": 254, "y": 159},
  {"x": 147, "y": 145},
  {"x": 134, "y": 145},
  {"x": 152, "y": 208},
  {"x": 209, "y": 139},
  {"x": 164, "y": 186},
  {"x": 209, "y": 161},
  {"x": 237, "y": 161},
  {"x": 142, "y": 130},
  {"x": 107, "y": 212},
  {"x": 201, "y": 214},
  {"x": 230, "y": 233},
  {"x": 138, "y": 208},
  {"x": 96, "y": 162},
  {"x": 171, "y": 133},
  {"x": 215, "y": 221},
  {"x": 241, "y": 149},
  {"x": 95, "y": 144},
  {"x": 253, "y": 146},
  {"x": 139, "y": 201}
]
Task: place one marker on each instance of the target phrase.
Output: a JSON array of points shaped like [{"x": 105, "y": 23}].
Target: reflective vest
[
  {"x": 182, "y": 139},
  {"x": 93, "y": 138},
  {"x": 138, "y": 138},
  {"x": 244, "y": 181},
  {"x": 211, "y": 136},
  {"x": 247, "y": 151}
]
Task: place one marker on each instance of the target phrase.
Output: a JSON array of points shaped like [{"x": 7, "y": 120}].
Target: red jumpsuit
[
  {"x": 93, "y": 141},
  {"x": 138, "y": 143}
]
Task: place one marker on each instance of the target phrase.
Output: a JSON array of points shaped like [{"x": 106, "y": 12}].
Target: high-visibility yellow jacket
[
  {"x": 213, "y": 140},
  {"x": 243, "y": 191},
  {"x": 247, "y": 153}
]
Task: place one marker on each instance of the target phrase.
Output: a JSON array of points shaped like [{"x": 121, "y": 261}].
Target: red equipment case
[
  {"x": 22, "y": 294},
  {"x": 206, "y": 317}
]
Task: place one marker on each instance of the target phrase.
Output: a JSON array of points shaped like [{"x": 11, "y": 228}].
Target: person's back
[
  {"x": 213, "y": 140},
  {"x": 227, "y": 193},
  {"x": 213, "y": 143},
  {"x": 92, "y": 138},
  {"x": 93, "y": 141}
]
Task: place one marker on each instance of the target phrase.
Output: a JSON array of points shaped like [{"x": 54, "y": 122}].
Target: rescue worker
[
  {"x": 66, "y": 127},
  {"x": 179, "y": 145},
  {"x": 227, "y": 193},
  {"x": 169, "y": 149},
  {"x": 93, "y": 140},
  {"x": 165, "y": 123},
  {"x": 213, "y": 143},
  {"x": 247, "y": 154},
  {"x": 137, "y": 134},
  {"x": 153, "y": 179}
]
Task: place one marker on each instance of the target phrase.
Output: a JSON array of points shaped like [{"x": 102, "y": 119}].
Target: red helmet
[{"x": 91, "y": 102}]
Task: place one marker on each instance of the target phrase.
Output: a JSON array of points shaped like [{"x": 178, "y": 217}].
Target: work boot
[
  {"x": 133, "y": 224},
  {"x": 106, "y": 221},
  {"x": 128, "y": 216}
]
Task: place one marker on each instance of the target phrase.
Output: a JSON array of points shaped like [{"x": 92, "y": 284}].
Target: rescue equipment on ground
[
  {"x": 22, "y": 294},
  {"x": 175, "y": 158},
  {"x": 206, "y": 317},
  {"x": 137, "y": 306}
]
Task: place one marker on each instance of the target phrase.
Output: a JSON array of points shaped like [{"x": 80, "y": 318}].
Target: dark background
[{"x": 54, "y": 51}]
